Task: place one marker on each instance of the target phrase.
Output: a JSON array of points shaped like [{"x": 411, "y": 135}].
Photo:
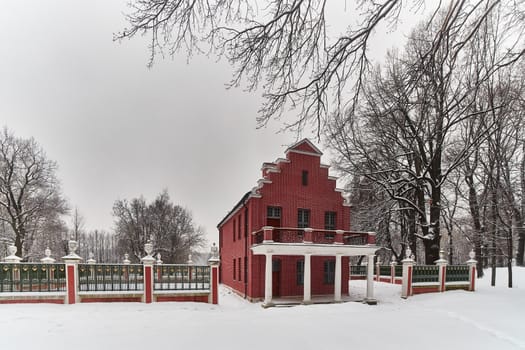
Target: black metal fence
[
  {"x": 32, "y": 277},
  {"x": 181, "y": 277},
  {"x": 425, "y": 273},
  {"x": 385, "y": 270},
  {"x": 358, "y": 270},
  {"x": 110, "y": 277},
  {"x": 399, "y": 270},
  {"x": 457, "y": 273}
]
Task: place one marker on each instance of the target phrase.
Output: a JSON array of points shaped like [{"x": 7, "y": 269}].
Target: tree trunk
[
  {"x": 509, "y": 257},
  {"x": 521, "y": 229},
  {"x": 475, "y": 214}
]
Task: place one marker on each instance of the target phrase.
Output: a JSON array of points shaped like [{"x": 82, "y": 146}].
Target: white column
[
  {"x": 370, "y": 281},
  {"x": 268, "y": 281},
  {"x": 337, "y": 278},
  {"x": 307, "y": 280}
]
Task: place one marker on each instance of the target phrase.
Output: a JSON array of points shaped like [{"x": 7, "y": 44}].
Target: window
[
  {"x": 329, "y": 271},
  {"x": 234, "y": 269},
  {"x": 329, "y": 220},
  {"x": 300, "y": 272},
  {"x": 234, "y": 227},
  {"x": 303, "y": 218},
  {"x": 239, "y": 266},
  {"x": 239, "y": 228},
  {"x": 273, "y": 213},
  {"x": 304, "y": 177},
  {"x": 245, "y": 269}
]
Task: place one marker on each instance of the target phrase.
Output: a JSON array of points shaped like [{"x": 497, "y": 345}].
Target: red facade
[{"x": 294, "y": 192}]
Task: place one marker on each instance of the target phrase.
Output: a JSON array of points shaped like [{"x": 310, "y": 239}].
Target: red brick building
[{"x": 289, "y": 236}]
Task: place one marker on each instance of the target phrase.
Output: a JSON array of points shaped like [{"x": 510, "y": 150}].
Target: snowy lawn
[{"x": 490, "y": 318}]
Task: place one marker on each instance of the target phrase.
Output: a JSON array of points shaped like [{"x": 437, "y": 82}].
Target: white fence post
[
  {"x": 148, "y": 262},
  {"x": 408, "y": 266},
  {"x": 214, "y": 262},
  {"x": 442, "y": 270},
  {"x": 71, "y": 260},
  {"x": 472, "y": 271}
]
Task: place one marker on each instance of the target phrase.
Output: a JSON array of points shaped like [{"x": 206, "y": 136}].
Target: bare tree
[
  {"x": 30, "y": 196},
  {"x": 170, "y": 228},
  {"x": 285, "y": 47}
]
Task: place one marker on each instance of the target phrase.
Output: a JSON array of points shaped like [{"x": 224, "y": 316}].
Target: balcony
[{"x": 292, "y": 235}]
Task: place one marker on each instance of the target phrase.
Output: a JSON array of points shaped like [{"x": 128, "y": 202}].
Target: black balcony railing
[
  {"x": 285, "y": 235},
  {"x": 355, "y": 239},
  {"x": 316, "y": 236},
  {"x": 32, "y": 277}
]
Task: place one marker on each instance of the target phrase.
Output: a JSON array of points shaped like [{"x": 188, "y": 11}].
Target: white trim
[
  {"x": 22, "y": 295},
  {"x": 112, "y": 293},
  {"x": 282, "y": 160},
  {"x": 182, "y": 292},
  {"x": 263, "y": 181},
  {"x": 303, "y": 152},
  {"x": 427, "y": 284},
  {"x": 291, "y": 148},
  {"x": 332, "y": 178},
  {"x": 326, "y": 166}
]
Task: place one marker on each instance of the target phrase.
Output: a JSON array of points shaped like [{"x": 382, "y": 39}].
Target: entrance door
[{"x": 276, "y": 277}]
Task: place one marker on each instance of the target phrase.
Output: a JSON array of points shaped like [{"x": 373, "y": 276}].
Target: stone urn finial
[
  {"x": 47, "y": 259},
  {"x": 408, "y": 253},
  {"x": 12, "y": 257},
  {"x": 126, "y": 259},
  {"x": 12, "y": 249},
  {"x": 72, "y": 245},
  {"x": 472, "y": 254},
  {"x": 159, "y": 260},
  {"x": 214, "y": 251},
  {"x": 189, "y": 262},
  {"x": 148, "y": 248}
]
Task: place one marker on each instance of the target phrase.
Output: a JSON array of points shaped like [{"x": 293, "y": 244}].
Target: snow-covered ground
[{"x": 490, "y": 318}]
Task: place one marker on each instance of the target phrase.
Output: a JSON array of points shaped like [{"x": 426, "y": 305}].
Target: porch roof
[{"x": 276, "y": 248}]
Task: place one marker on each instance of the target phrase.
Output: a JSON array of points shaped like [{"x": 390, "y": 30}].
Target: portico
[{"x": 307, "y": 250}]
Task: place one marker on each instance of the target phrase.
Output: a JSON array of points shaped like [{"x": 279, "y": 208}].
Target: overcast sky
[{"x": 119, "y": 130}]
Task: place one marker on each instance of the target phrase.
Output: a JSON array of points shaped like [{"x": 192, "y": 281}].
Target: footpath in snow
[{"x": 490, "y": 318}]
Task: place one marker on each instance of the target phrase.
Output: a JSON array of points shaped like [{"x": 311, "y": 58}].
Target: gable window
[
  {"x": 329, "y": 220},
  {"x": 303, "y": 218},
  {"x": 299, "y": 276},
  {"x": 273, "y": 213},
  {"x": 304, "y": 177},
  {"x": 329, "y": 271}
]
